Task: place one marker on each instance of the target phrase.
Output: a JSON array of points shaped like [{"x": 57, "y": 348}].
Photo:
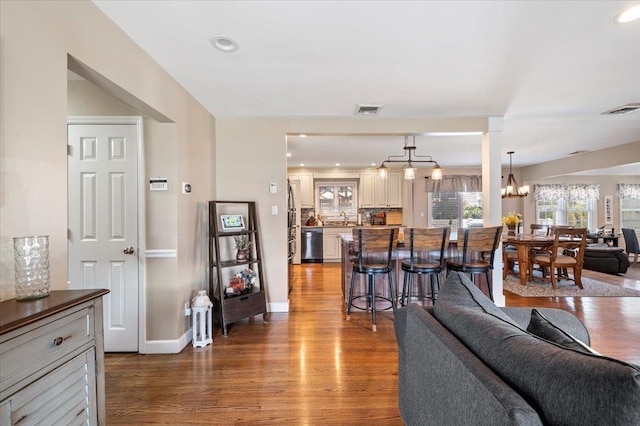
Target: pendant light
[
  {"x": 512, "y": 189},
  {"x": 411, "y": 158}
]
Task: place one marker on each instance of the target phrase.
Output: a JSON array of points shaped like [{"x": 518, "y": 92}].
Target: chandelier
[
  {"x": 513, "y": 189},
  {"x": 409, "y": 158}
]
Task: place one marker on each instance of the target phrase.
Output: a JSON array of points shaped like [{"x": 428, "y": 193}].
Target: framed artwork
[
  {"x": 232, "y": 222},
  {"x": 608, "y": 210}
]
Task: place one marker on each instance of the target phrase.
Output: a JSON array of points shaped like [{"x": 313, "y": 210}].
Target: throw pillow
[
  {"x": 566, "y": 387},
  {"x": 542, "y": 327}
]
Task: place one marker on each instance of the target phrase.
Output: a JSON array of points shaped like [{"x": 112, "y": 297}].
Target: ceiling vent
[
  {"x": 624, "y": 109},
  {"x": 367, "y": 109},
  {"x": 583, "y": 151}
]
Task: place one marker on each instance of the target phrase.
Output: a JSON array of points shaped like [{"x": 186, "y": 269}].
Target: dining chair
[
  {"x": 476, "y": 252},
  {"x": 631, "y": 243},
  {"x": 567, "y": 252},
  {"x": 510, "y": 255},
  {"x": 375, "y": 248},
  {"x": 426, "y": 257}
]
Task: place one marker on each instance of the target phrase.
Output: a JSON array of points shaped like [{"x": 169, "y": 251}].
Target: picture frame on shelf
[{"x": 232, "y": 222}]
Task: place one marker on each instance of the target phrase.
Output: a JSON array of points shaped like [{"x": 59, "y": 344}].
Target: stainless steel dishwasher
[{"x": 311, "y": 245}]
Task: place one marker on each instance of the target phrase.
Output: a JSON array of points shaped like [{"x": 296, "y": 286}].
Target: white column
[{"x": 491, "y": 195}]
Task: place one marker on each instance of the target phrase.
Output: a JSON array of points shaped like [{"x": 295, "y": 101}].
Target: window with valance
[
  {"x": 567, "y": 204},
  {"x": 629, "y": 195},
  {"x": 455, "y": 201},
  {"x": 629, "y": 191}
]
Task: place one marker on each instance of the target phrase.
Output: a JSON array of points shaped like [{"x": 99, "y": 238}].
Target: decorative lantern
[{"x": 202, "y": 326}]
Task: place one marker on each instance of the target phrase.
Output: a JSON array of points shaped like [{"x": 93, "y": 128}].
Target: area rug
[{"x": 592, "y": 288}]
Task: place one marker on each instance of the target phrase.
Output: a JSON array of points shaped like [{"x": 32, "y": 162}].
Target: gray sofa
[{"x": 467, "y": 362}]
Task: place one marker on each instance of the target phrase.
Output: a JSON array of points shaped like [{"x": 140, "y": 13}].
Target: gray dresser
[{"x": 52, "y": 360}]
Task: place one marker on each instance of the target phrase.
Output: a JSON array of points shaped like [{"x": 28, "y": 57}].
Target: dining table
[{"x": 523, "y": 244}]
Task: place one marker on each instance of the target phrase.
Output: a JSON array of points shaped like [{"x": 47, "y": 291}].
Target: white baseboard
[
  {"x": 278, "y": 307},
  {"x": 168, "y": 346},
  {"x": 176, "y": 346}
]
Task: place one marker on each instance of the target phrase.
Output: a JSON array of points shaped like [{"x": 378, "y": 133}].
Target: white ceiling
[{"x": 549, "y": 67}]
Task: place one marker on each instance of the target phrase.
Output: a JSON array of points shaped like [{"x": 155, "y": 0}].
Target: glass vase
[{"x": 31, "y": 260}]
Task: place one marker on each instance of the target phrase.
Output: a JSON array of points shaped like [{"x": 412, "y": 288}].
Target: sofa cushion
[
  {"x": 565, "y": 386},
  {"x": 440, "y": 382},
  {"x": 542, "y": 327}
]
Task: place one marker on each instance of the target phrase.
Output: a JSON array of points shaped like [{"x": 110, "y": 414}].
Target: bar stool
[
  {"x": 424, "y": 244},
  {"x": 375, "y": 253},
  {"x": 476, "y": 244}
]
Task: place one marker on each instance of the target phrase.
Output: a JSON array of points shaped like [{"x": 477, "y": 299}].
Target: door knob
[{"x": 129, "y": 250}]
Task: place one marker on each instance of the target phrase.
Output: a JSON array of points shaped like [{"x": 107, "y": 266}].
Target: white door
[{"x": 103, "y": 225}]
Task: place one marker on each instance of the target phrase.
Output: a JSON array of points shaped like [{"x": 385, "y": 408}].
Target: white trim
[
  {"x": 168, "y": 346},
  {"x": 157, "y": 253},
  {"x": 278, "y": 307},
  {"x": 124, "y": 119},
  {"x": 142, "y": 272}
]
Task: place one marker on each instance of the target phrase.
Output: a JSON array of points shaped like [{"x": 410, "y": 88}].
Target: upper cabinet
[
  {"x": 307, "y": 192},
  {"x": 378, "y": 192},
  {"x": 367, "y": 189}
]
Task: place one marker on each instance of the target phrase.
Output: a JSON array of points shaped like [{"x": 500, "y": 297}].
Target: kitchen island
[{"x": 349, "y": 253}]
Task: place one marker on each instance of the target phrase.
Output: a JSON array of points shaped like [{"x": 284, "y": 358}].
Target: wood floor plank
[{"x": 310, "y": 366}]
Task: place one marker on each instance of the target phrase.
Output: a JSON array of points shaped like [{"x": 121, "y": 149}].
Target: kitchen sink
[{"x": 338, "y": 224}]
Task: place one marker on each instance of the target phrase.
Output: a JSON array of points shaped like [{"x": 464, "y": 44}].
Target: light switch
[{"x": 274, "y": 210}]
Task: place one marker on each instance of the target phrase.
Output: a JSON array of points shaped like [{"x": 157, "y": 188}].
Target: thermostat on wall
[{"x": 158, "y": 184}]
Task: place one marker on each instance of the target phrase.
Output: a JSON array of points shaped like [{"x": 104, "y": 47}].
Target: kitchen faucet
[{"x": 343, "y": 213}]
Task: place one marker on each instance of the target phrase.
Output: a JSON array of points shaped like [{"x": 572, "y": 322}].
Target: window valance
[
  {"x": 629, "y": 191},
  {"x": 583, "y": 191},
  {"x": 550, "y": 192},
  {"x": 566, "y": 191},
  {"x": 455, "y": 183}
]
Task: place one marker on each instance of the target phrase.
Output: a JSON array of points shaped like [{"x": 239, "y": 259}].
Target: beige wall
[
  {"x": 37, "y": 37},
  {"x": 160, "y": 152},
  {"x": 251, "y": 153}
]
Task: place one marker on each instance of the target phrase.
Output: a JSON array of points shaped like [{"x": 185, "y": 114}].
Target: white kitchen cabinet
[
  {"x": 367, "y": 189},
  {"x": 394, "y": 190},
  {"x": 380, "y": 193},
  {"x": 331, "y": 245},
  {"x": 52, "y": 352},
  {"x": 307, "y": 191}
]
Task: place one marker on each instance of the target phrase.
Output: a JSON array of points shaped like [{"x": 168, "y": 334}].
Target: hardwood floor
[{"x": 310, "y": 366}]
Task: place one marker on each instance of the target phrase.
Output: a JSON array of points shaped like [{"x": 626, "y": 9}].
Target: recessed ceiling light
[
  {"x": 301, "y": 164},
  {"x": 224, "y": 43},
  {"x": 373, "y": 164},
  {"x": 302, "y": 135},
  {"x": 337, "y": 164},
  {"x": 288, "y": 154},
  {"x": 629, "y": 15}
]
